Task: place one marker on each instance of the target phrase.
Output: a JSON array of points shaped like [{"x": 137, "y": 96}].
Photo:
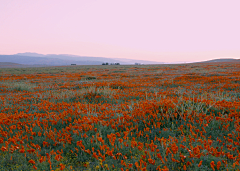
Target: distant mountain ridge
[
  {"x": 36, "y": 59},
  {"x": 27, "y": 60},
  {"x": 64, "y": 59}
]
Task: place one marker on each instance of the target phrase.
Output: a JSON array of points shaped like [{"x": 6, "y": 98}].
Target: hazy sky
[{"x": 158, "y": 30}]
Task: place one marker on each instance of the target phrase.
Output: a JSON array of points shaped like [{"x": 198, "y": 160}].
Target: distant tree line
[{"x": 110, "y": 63}]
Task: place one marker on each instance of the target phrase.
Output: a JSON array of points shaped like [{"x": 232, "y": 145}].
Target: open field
[{"x": 146, "y": 117}]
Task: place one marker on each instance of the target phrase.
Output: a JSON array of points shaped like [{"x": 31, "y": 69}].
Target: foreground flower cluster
[{"x": 166, "y": 117}]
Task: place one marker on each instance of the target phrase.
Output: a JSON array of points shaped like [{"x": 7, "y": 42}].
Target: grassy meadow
[{"x": 145, "y": 117}]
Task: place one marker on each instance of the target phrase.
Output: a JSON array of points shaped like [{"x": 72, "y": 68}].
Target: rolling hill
[{"x": 222, "y": 60}]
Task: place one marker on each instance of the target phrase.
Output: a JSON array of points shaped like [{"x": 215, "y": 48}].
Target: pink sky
[{"x": 157, "y": 30}]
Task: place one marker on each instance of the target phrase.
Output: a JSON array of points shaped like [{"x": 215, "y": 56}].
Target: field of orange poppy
[{"x": 145, "y": 117}]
